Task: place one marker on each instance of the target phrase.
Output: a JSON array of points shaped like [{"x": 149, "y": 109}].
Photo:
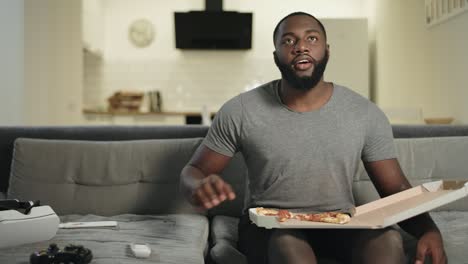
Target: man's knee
[
  {"x": 386, "y": 246},
  {"x": 288, "y": 235},
  {"x": 290, "y": 246},
  {"x": 287, "y": 239},
  {"x": 392, "y": 239}
]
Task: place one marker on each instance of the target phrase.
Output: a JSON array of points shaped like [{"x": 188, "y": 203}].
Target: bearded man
[{"x": 302, "y": 139}]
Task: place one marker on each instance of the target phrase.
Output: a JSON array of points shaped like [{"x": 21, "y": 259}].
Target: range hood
[{"x": 213, "y": 28}]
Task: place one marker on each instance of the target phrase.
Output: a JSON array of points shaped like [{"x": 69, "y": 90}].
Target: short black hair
[{"x": 298, "y": 14}]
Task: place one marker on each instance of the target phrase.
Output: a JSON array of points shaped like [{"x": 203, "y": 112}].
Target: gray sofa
[{"x": 131, "y": 175}]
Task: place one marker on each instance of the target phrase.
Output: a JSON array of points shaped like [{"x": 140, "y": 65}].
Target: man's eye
[
  {"x": 288, "y": 41},
  {"x": 312, "y": 38}
]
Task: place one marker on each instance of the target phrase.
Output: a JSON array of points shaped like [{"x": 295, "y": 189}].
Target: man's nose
[{"x": 301, "y": 47}]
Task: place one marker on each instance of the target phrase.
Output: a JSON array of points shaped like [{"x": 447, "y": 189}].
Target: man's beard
[{"x": 304, "y": 83}]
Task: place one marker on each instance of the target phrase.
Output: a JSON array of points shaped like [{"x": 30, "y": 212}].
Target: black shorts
[{"x": 334, "y": 244}]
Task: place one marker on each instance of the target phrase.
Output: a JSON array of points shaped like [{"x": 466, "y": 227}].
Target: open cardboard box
[{"x": 385, "y": 211}]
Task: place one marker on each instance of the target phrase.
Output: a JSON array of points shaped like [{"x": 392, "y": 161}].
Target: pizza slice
[
  {"x": 282, "y": 215},
  {"x": 266, "y": 211},
  {"x": 325, "y": 217}
]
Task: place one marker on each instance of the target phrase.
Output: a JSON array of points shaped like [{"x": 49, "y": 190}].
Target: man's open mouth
[{"x": 302, "y": 64}]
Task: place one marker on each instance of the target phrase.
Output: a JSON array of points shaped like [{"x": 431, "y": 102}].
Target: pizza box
[{"x": 383, "y": 212}]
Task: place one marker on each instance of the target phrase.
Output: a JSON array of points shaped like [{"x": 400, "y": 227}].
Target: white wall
[
  {"x": 448, "y": 44},
  {"x": 415, "y": 66},
  {"x": 11, "y": 62},
  {"x": 190, "y": 79},
  {"x": 53, "y": 62},
  {"x": 420, "y": 67},
  {"x": 349, "y": 53},
  {"x": 120, "y": 13}
]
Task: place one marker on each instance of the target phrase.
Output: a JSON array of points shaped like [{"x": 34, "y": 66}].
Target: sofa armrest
[
  {"x": 224, "y": 237},
  {"x": 223, "y": 252}
]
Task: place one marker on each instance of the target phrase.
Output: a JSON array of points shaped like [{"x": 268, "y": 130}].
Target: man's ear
[
  {"x": 275, "y": 58},
  {"x": 275, "y": 55}
]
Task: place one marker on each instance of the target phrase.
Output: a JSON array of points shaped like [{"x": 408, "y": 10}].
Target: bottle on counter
[{"x": 155, "y": 101}]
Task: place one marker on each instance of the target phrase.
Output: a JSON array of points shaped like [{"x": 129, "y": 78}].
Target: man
[{"x": 302, "y": 139}]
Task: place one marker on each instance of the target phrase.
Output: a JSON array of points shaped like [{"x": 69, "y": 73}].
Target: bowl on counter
[{"x": 439, "y": 120}]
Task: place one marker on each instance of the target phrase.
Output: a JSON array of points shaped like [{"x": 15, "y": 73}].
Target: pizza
[
  {"x": 282, "y": 215},
  {"x": 324, "y": 217}
]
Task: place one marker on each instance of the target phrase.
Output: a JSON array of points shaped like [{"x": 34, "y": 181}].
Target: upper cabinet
[{"x": 93, "y": 26}]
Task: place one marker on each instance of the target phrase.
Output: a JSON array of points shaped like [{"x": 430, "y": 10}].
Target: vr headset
[{"x": 26, "y": 222}]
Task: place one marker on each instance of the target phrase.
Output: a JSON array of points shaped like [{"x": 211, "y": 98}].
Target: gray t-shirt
[{"x": 301, "y": 160}]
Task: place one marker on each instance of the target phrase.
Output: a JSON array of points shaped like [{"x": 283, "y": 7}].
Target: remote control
[{"x": 72, "y": 225}]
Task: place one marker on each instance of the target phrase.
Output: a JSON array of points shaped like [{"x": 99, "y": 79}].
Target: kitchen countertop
[{"x": 140, "y": 113}]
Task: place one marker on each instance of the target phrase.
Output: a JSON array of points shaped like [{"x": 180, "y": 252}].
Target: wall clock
[{"x": 141, "y": 33}]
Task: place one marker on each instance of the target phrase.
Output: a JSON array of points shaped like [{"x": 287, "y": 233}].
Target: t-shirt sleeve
[
  {"x": 378, "y": 142},
  {"x": 224, "y": 133}
]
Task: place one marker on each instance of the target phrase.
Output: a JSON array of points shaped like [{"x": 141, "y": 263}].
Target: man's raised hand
[{"x": 211, "y": 191}]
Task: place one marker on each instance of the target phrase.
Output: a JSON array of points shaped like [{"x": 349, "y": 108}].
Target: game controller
[{"x": 71, "y": 254}]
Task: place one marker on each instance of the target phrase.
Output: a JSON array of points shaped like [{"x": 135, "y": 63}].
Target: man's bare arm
[
  {"x": 200, "y": 181},
  {"x": 388, "y": 178}
]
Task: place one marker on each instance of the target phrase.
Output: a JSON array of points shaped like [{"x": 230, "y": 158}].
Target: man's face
[{"x": 301, "y": 52}]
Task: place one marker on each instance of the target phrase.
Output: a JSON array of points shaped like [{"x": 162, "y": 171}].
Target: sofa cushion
[
  {"x": 224, "y": 228},
  {"x": 173, "y": 239},
  {"x": 453, "y": 225},
  {"x": 423, "y": 160},
  {"x": 102, "y": 178},
  {"x": 225, "y": 253}
]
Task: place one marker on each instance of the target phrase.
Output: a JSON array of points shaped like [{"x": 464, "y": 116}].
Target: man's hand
[
  {"x": 200, "y": 181},
  {"x": 431, "y": 244},
  {"x": 211, "y": 191},
  {"x": 388, "y": 178}
]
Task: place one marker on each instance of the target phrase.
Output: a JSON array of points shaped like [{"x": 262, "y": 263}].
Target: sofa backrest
[
  {"x": 425, "y": 131},
  {"x": 103, "y": 178},
  {"x": 96, "y": 133},
  {"x": 423, "y": 160}
]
